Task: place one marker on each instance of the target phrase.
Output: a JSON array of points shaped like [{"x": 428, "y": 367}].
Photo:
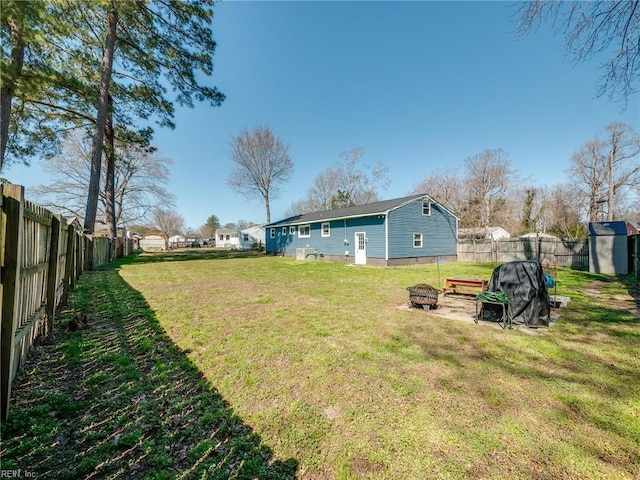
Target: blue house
[{"x": 402, "y": 231}]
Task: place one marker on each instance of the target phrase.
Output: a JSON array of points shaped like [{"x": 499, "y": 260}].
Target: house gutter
[{"x": 329, "y": 219}]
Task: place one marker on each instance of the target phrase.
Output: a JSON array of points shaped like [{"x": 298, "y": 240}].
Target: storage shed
[
  {"x": 609, "y": 247},
  {"x": 154, "y": 241}
]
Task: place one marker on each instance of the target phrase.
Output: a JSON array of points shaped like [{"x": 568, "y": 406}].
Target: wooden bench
[{"x": 464, "y": 286}]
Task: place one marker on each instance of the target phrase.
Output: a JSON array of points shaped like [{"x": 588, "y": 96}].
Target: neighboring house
[
  {"x": 153, "y": 242},
  {"x": 177, "y": 241},
  {"x": 227, "y": 238},
  {"x": 252, "y": 237},
  {"x": 494, "y": 233},
  {"x": 543, "y": 235},
  {"x": 401, "y": 231}
]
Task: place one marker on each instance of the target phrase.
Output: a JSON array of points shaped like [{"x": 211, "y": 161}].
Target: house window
[
  {"x": 221, "y": 237},
  {"x": 417, "y": 240},
  {"x": 304, "y": 231},
  {"x": 227, "y": 237},
  {"x": 292, "y": 230},
  {"x": 426, "y": 208},
  {"x": 284, "y": 230},
  {"x": 245, "y": 236},
  {"x": 272, "y": 234},
  {"x": 326, "y": 229}
]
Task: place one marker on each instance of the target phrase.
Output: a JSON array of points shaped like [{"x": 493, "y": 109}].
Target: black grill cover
[{"x": 523, "y": 282}]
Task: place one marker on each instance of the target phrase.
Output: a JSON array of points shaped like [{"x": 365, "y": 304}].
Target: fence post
[
  {"x": 80, "y": 249},
  {"x": 13, "y": 220},
  {"x": 52, "y": 275},
  {"x": 69, "y": 262}
]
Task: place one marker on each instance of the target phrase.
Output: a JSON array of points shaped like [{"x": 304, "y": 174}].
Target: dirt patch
[
  {"x": 463, "y": 308},
  {"x": 624, "y": 302}
]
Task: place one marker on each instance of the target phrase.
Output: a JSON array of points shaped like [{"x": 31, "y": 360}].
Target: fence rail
[
  {"x": 564, "y": 253},
  {"x": 41, "y": 257}
]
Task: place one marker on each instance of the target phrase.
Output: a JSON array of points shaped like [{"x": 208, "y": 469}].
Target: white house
[
  {"x": 227, "y": 238},
  {"x": 252, "y": 237},
  {"x": 176, "y": 241},
  {"x": 494, "y": 233}
]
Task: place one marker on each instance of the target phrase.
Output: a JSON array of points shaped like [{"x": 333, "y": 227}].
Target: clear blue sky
[{"x": 419, "y": 85}]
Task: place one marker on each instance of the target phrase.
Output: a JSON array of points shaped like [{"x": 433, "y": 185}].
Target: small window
[
  {"x": 284, "y": 230},
  {"x": 221, "y": 237},
  {"x": 292, "y": 230},
  {"x": 417, "y": 240},
  {"x": 426, "y": 208},
  {"x": 273, "y": 233},
  {"x": 245, "y": 236},
  {"x": 326, "y": 229},
  {"x": 304, "y": 231}
]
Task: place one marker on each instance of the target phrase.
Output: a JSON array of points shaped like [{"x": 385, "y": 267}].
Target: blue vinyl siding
[
  {"x": 439, "y": 234},
  {"x": 438, "y": 230},
  {"x": 339, "y": 230}
]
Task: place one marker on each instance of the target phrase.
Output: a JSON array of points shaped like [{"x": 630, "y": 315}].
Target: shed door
[{"x": 361, "y": 248}]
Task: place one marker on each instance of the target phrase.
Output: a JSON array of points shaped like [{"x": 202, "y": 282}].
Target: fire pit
[{"x": 423, "y": 295}]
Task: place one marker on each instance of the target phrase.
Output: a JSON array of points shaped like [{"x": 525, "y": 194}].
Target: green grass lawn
[{"x": 218, "y": 365}]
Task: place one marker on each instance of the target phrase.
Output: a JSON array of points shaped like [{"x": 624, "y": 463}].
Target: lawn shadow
[
  {"x": 583, "y": 391},
  {"x": 116, "y": 398},
  {"x": 632, "y": 284},
  {"x": 187, "y": 254}
]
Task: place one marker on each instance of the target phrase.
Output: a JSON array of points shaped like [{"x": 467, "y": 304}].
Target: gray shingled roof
[
  {"x": 375, "y": 208},
  {"x": 608, "y": 228}
]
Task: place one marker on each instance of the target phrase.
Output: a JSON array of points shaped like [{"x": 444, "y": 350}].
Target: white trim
[
  {"x": 322, "y": 225},
  {"x": 386, "y": 237},
  {"x": 360, "y": 254},
  {"x": 413, "y": 240},
  {"x": 308, "y": 235}
]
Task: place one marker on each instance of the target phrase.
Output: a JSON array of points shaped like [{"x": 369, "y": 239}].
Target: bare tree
[
  {"x": 607, "y": 171},
  {"x": 488, "y": 177},
  {"x": 263, "y": 165},
  {"x": 563, "y": 211},
  {"x": 140, "y": 176},
  {"x": 445, "y": 187},
  {"x": 623, "y": 165},
  {"x": 360, "y": 184},
  {"x": 324, "y": 187},
  {"x": 319, "y": 194},
  {"x": 594, "y": 28},
  {"x": 349, "y": 182},
  {"x": 168, "y": 221},
  {"x": 587, "y": 168}
]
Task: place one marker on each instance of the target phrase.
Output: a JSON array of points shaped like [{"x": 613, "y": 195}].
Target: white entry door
[{"x": 361, "y": 248}]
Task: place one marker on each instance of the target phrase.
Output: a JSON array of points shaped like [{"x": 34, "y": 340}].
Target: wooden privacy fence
[
  {"x": 41, "y": 256},
  {"x": 563, "y": 253},
  {"x": 634, "y": 255}
]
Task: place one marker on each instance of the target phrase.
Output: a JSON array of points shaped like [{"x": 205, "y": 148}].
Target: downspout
[{"x": 386, "y": 238}]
